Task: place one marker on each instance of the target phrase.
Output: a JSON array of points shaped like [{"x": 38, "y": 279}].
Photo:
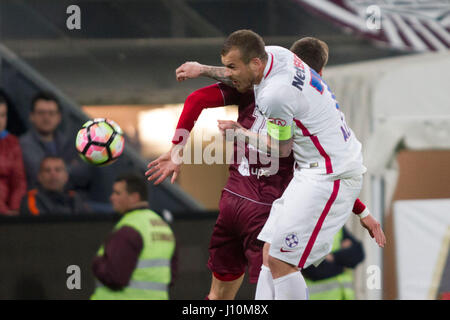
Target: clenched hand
[{"x": 188, "y": 70}]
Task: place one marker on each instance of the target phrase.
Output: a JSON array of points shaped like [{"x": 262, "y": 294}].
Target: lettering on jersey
[
  {"x": 345, "y": 129},
  {"x": 244, "y": 168},
  {"x": 278, "y": 121},
  {"x": 299, "y": 78},
  {"x": 298, "y": 62},
  {"x": 261, "y": 172},
  {"x": 254, "y": 171}
]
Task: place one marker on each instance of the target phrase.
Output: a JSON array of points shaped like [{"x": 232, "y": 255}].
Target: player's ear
[{"x": 256, "y": 63}]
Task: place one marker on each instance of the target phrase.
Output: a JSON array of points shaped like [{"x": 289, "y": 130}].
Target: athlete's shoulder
[
  {"x": 277, "y": 88},
  {"x": 278, "y": 98},
  {"x": 282, "y": 57}
]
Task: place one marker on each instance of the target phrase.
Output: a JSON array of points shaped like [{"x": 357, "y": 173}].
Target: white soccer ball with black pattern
[{"x": 100, "y": 141}]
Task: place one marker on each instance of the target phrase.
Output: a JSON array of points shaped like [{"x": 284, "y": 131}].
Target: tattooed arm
[{"x": 191, "y": 70}]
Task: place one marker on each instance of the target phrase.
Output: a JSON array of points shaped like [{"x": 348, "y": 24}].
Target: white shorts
[{"x": 303, "y": 222}]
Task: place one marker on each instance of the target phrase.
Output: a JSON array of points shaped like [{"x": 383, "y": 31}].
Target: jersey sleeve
[
  {"x": 207, "y": 97},
  {"x": 230, "y": 95},
  {"x": 119, "y": 258},
  {"x": 358, "y": 207},
  {"x": 279, "y": 110}
]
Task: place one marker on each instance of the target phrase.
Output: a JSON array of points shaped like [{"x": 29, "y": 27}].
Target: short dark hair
[
  {"x": 44, "y": 95},
  {"x": 312, "y": 51},
  {"x": 249, "y": 43},
  {"x": 3, "y": 100},
  {"x": 135, "y": 183}
]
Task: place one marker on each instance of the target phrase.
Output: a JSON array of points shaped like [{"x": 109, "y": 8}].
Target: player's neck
[{"x": 138, "y": 205}]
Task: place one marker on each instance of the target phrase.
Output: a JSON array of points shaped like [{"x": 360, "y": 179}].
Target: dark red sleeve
[
  {"x": 230, "y": 94},
  {"x": 216, "y": 95},
  {"x": 121, "y": 254},
  {"x": 18, "y": 180},
  {"x": 358, "y": 207}
]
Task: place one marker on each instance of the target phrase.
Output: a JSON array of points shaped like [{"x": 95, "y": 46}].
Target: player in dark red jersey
[{"x": 249, "y": 192}]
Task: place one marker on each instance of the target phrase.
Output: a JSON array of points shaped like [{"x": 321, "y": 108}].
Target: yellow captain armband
[{"x": 278, "y": 131}]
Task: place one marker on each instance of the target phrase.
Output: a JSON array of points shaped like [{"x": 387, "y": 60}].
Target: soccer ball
[{"x": 100, "y": 142}]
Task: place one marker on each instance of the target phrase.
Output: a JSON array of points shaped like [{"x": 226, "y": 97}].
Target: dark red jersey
[
  {"x": 249, "y": 171},
  {"x": 250, "y": 174}
]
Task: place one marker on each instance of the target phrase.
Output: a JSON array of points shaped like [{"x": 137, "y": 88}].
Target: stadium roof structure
[
  {"x": 126, "y": 52},
  {"x": 142, "y": 71}
]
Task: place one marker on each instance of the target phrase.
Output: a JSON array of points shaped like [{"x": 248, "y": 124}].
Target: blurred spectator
[
  {"x": 43, "y": 138},
  {"x": 138, "y": 259},
  {"x": 50, "y": 196},
  {"x": 333, "y": 278},
  {"x": 13, "y": 184}
]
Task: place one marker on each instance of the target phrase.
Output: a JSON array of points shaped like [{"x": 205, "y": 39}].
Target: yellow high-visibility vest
[{"x": 152, "y": 275}]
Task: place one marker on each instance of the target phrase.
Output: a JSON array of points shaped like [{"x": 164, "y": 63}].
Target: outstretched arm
[
  {"x": 208, "y": 97},
  {"x": 192, "y": 70}
]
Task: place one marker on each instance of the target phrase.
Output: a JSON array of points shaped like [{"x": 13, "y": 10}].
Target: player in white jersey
[
  {"x": 304, "y": 117},
  {"x": 298, "y": 104}
]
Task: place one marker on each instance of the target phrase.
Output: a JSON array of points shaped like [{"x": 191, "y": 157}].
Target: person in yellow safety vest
[
  {"x": 138, "y": 259},
  {"x": 333, "y": 278}
]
